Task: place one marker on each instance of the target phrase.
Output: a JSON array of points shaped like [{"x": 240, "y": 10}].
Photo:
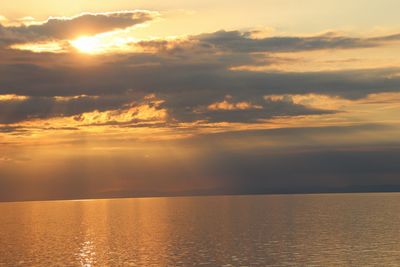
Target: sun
[
  {"x": 103, "y": 43},
  {"x": 87, "y": 44}
]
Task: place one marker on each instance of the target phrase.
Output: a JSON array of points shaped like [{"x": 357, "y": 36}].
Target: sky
[{"x": 155, "y": 98}]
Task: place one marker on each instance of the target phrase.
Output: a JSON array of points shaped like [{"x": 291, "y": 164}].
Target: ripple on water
[{"x": 311, "y": 230}]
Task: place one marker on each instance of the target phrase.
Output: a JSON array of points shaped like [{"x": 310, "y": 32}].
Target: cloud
[
  {"x": 15, "y": 109},
  {"x": 234, "y": 110},
  {"x": 192, "y": 76},
  {"x": 183, "y": 74},
  {"x": 187, "y": 83},
  {"x": 66, "y": 28},
  {"x": 148, "y": 111},
  {"x": 130, "y": 108},
  {"x": 11, "y": 129},
  {"x": 226, "y": 105},
  {"x": 188, "y": 78},
  {"x": 244, "y": 42}
]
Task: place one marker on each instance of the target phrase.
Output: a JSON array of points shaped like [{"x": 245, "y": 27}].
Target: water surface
[{"x": 280, "y": 230}]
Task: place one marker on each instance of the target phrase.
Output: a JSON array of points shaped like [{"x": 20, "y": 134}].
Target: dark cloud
[
  {"x": 11, "y": 129},
  {"x": 244, "y": 42},
  {"x": 188, "y": 75},
  {"x": 71, "y": 27},
  {"x": 170, "y": 77},
  {"x": 13, "y": 111},
  {"x": 17, "y": 110},
  {"x": 245, "y": 112},
  {"x": 387, "y": 38},
  {"x": 185, "y": 81}
]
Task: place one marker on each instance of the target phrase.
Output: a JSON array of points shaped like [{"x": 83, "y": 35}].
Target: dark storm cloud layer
[
  {"x": 182, "y": 74},
  {"x": 185, "y": 81},
  {"x": 188, "y": 74},
  {"x": 72, "y": 27}
]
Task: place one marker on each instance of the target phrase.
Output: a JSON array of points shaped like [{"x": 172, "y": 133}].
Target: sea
[{"x": 259, "y": 230}]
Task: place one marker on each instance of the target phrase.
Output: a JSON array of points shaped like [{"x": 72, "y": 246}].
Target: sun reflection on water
[{"x": 87, "y": 254}]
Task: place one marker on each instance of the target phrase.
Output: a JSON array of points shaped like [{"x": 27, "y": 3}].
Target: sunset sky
[{"x": 145, "y": 98}]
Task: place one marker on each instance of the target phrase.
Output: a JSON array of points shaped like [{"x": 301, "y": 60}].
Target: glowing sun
[{"x": 88, "y": 44}]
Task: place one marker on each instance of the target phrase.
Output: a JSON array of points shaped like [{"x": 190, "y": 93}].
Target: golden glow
[
  {"x": 106, "y": 127},
  {"x": 317, "y": 101},
  {"x": 142, "y": 113},
  {"x": 226, "y": 105},
  {"x": 13, "y": 97},
  {"x": 50, "y": 47},
  {"x": 88, "y": 45},
  {"x": 69, "y": 98},
  {"x": 117, "y": 41}
]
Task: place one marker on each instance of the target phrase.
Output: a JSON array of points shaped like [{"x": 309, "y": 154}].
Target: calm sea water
[{"x": 290, "y": 230}]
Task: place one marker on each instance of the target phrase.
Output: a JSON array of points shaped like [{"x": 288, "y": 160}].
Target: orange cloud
[
  {"x": 225, "y": 105},
  {"x": 13, "y": 97}
]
